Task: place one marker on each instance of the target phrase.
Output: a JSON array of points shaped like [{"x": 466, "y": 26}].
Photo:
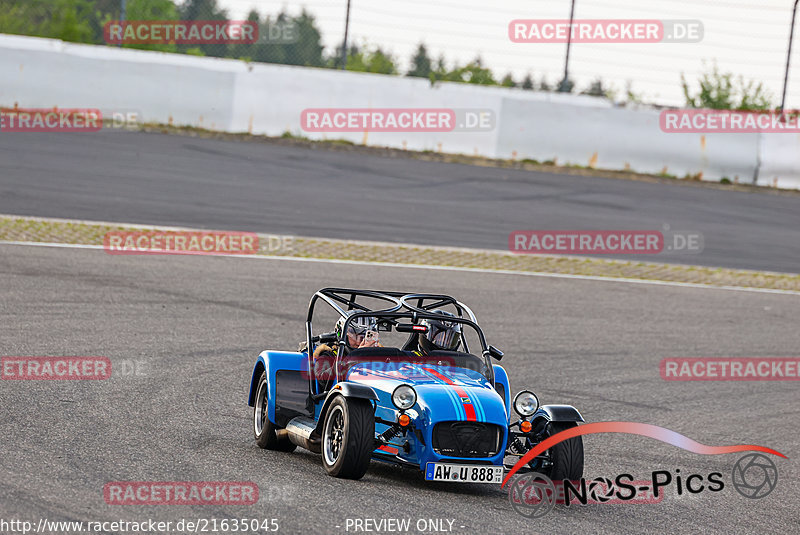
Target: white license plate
[{"x": 464, "y": 473}]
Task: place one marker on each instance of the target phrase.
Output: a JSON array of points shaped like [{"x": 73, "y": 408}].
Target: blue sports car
[{"x": 396, "y": 381}]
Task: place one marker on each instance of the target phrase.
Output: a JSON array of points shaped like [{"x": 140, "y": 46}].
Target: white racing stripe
[{"x": 447, "y": 268}]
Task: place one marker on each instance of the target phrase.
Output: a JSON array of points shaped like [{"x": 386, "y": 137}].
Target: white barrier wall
[
  {"x": 619, "y": 138},
  {"x": 233, "y": 96},
  {"x": 268, "y": 99},
  {"x": 186, "y": 89},
  {"x": 780, "y": 160}
]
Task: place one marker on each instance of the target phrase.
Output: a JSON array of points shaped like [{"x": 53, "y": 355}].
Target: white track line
[{"x": 443, "y": 268}]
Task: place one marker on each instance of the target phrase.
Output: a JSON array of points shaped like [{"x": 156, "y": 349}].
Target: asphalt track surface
[
  {"x": 198, "y": 323},
  {"x": 265, "y": 187}
]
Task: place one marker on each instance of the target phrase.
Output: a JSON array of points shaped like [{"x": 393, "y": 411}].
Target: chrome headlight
[
  {"x": 404, "y": 397},
  {"x": 526, "y": 403}
]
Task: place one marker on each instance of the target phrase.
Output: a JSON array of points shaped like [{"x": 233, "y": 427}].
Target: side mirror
[{"x": 495, "y": 353}]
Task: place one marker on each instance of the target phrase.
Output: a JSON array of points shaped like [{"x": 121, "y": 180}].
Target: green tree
[
  {"x": 305, "y": 46},
  {"x": 508, "y": 81},
  {"x": 110, "y": 7},
  {"x": 152, "y": 10},
  {"x": 375, "y": 60},
  {"x": 70, "y": 21},
  {"x": 202, "y": 10},
  {"x": 105, "y": 11},
  {"x": 527, "y": 83},
  {"x": 24, "y": 17},
  {"x": 475, "y": 73},
  {"x": 724, "y": 91},
  {"x": 307, "y": 50},
  {"x": 244, "y": 51},
  {"x": 439, "y": 71},
  {"x": 596, "y": 89},
  {"x": 192, "y": 10},
  {"x": 471, "y": 73},
  {"x": 420, "y": 63}
]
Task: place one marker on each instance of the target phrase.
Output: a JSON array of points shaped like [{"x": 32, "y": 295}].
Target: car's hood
[{"x": 444, "y": 393}]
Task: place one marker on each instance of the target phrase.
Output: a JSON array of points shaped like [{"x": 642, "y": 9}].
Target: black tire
[
  {"x": 263, "y": 429},
  {"x": 566, "y": 456},
  {"x": 348, "y": 437}
]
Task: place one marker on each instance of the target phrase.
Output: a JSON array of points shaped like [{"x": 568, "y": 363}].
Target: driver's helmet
[
  {"x": 357, "y": 329},
  {"x": 442, "y": 334}
]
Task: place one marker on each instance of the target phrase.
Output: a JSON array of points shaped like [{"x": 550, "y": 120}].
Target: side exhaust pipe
[{"x": 299, "y": 431}]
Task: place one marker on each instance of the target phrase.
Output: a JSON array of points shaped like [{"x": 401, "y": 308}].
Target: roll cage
[{"x": 411, "y": 306}]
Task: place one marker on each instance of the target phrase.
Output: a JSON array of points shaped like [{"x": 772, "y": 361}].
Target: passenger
[{"x": 361, "y": 332}]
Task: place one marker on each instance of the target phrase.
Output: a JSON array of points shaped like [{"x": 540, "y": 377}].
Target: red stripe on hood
[{"x": 469, "y": 409}]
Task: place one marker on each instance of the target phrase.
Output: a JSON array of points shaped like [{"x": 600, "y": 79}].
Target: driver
[{"x": 442, "y": 335}]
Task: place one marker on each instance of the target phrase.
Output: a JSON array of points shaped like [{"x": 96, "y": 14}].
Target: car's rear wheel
[
  {"x": 348, "y": 437},
  {"x": 567, "y": 456},
  {"x": 263, "y": 429}
]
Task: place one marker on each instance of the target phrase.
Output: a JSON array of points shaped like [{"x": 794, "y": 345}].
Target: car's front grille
[{"x": 466, "y": 439}]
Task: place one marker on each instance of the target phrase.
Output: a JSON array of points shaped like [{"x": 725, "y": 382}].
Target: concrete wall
[{"x": 233, "y": 96}]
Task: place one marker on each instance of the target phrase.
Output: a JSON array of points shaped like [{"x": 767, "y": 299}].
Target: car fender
[
  {"x": 348, "y": 390},
  {"x": 502, "y": 386},
  {"x": 259, "y": 368},
  {"x": 558, "y": 413},
  {"x": 290, "y": 401}
]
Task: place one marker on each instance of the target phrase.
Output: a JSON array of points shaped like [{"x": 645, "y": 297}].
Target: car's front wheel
[
  {"x": 263, "y": 429},
  {"x": 348, "y": 437},
  {"x": 566, "y": 456}
]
